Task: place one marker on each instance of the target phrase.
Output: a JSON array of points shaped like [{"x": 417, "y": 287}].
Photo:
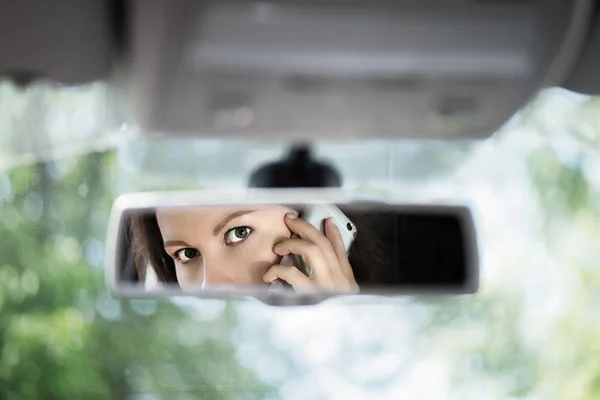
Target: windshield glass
[{"x": 530, "y": 332}]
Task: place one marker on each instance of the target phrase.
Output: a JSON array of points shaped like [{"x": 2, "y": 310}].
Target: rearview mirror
[{"x": 285, "y": 244}]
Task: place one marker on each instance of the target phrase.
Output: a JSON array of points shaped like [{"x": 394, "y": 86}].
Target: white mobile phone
[{"x": 317, "y": 214}]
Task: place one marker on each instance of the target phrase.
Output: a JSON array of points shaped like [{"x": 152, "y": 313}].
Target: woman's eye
[
  {"x": 238, "y": 234},
  {"x": 185, "y": 255}
]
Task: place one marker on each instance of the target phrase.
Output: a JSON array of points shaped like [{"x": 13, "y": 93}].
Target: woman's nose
[{"x": 215, "y": 273}]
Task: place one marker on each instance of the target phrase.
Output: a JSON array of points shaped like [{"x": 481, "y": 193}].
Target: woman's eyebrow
[
  {"x": 170, "y": 243},
  {"x": 228, "y": 218}
]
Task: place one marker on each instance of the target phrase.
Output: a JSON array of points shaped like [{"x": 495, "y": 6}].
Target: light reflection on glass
[{"x": 107, "y": 307}]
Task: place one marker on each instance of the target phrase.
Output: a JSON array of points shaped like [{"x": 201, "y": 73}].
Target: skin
[{"x": 221, "y": 246}]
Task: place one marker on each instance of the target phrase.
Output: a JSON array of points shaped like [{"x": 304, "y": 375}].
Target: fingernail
[{"x": 291, "y": 216}]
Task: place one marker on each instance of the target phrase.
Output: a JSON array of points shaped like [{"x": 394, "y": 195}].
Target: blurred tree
[
  {"x": 62, "y": 335},
  {"x": 484, "y": 337},
  {"x": 560, "y": 171}
]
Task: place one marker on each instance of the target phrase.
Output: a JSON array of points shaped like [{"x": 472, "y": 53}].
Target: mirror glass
[{"x": 293, "y": 248}]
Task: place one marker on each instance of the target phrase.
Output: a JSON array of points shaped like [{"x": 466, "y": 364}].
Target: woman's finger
[
  {"x": 306, "y": 231},
  {"x": 311, "y": 254},
  {"x": 291, "y": 275},
  {"x": 313, "y": 234},
  {"x": 334, "y": 235}
]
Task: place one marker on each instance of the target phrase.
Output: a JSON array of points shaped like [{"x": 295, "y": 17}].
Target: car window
[
  {"x": 530, "y": 332},
  {"x": 45, "y": 121}
]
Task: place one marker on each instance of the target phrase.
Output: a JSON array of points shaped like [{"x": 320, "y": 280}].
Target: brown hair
[
  {"x": 368, "y": 255},
  {"x": 147, "y": 248}
]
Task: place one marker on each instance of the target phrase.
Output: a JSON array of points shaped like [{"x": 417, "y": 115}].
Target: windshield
[{"x": 530, "y": 332}]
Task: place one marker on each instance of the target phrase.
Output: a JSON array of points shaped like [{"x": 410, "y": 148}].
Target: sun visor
[{"x": 66, "y": 41}]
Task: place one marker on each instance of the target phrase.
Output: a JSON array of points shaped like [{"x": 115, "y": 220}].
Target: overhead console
[
  {"x": 346, "y": 69},
  {"x": 305, "y": 70}
]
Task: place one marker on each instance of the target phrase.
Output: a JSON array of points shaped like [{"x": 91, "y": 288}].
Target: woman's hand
[{"x": 324, "y": 255}]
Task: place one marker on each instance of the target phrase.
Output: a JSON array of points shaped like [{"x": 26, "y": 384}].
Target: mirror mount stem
[{"x": 297, "y": 170}]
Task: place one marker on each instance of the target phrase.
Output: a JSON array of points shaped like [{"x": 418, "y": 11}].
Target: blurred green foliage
[
  {"x": 62, "y": 335},
  {"x": 492, "y": 330}
]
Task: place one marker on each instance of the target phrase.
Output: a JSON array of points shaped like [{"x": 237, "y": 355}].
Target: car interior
[{"x": 294, "y": 199}]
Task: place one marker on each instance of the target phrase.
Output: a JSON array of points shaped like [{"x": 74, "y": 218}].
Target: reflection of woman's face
[{"x": 222, "y": 246}]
